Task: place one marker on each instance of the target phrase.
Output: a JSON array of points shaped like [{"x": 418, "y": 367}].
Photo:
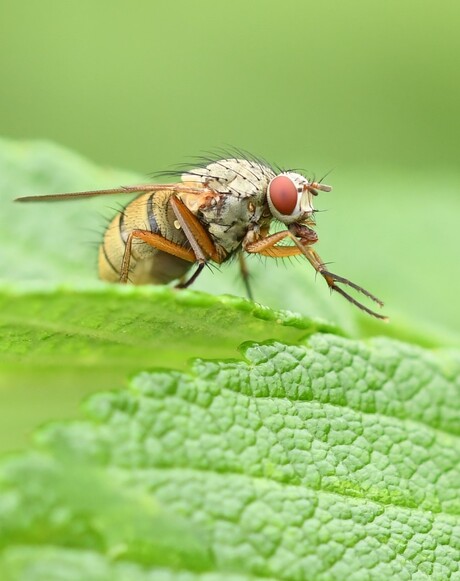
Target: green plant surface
[
  {"x": 59, "y": 345},
  {"x": 290, "y": 450},
  {"x": 329, "y": 460},
  {"x": 56, "y": 317}
]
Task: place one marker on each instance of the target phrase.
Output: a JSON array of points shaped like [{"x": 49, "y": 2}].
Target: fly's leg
[
  {"x": 245, "y": 275},
  {"x": 331, "y": 279},
  {"x": 199, "y": 239},
  {"x": 195, "y": 232},
  {"x": 267, "y": 246},
  {"x": 303, "y": 237},
  {"x": 192, "y": 279},
  {"x": 156, "y": 241}
]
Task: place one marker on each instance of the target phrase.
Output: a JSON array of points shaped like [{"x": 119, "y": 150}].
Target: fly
[{"x": 217, "y": 210}]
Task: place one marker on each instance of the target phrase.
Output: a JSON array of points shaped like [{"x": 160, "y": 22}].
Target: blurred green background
[
  {"x": 370, "y": 90},
  {"x": 325, "y": 84}
]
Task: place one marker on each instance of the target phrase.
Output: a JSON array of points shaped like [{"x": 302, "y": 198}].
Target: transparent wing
[{"x": 140, "y": 189}]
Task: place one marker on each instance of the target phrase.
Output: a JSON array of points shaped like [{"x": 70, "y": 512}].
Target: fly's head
[{"x": 290, "y": 198}]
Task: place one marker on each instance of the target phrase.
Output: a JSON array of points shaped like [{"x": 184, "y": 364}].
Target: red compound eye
[{"x": 283, "y": 194}]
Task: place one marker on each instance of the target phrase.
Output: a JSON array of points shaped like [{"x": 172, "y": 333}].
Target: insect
[{"x": 219, "y": 209}]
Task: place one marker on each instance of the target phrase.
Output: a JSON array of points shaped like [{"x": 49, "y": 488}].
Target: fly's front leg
[
  {"x": 267, "y": 246},
  {"x": 332, "y": 279},
  {"x": 303, "y": 238}
]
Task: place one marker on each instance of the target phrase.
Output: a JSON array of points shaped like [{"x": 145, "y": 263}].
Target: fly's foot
[{"x": 332, "y": 280}]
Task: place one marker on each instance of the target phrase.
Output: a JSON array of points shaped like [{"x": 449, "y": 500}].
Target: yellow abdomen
[{"x": 148, "y": 265}]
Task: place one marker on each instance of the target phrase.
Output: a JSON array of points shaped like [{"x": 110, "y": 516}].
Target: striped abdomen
[{"x": 148, "y": 265}]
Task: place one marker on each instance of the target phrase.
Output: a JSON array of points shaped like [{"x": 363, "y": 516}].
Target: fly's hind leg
[
  {"x": 156, "y": 241},
  {"x": 202, "y": 247}
]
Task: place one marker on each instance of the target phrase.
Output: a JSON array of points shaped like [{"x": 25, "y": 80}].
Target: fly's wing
[{"x": 141, "y": 189}]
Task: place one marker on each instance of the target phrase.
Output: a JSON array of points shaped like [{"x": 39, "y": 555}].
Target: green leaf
[
  {"x": 324, "y": 460},
  {"x": 59, "y": 345},
  {"x": 59, "y": 564},
  {"x": 330, "y": 460}
]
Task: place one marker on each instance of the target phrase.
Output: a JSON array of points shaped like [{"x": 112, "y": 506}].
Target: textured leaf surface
[{"x": 333, "y": 460}]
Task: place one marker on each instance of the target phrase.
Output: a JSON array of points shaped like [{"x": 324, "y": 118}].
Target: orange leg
[
  {"x": 203, "y": 247},
  {"x": 195, "y": 232},
  {"x": 267, "y": 247},
  {"x": 157, "y": 242}
]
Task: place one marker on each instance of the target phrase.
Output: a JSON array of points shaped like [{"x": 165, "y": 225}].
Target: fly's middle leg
[
  {"x": 245, "y": 275},
  {"x": 186, "y": 283},
  {"x": 199, "y": 239}
]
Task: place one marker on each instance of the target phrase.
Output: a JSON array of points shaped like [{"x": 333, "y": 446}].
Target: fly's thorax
[
  {"x": 230, "y": 218},
  {"x": 238, "y": 203},
  {"x": 241, "y": 177}
]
